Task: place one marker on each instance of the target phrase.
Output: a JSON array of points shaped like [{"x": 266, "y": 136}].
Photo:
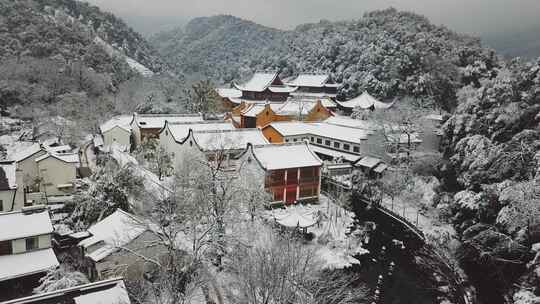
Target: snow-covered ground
[{"x": 333, "y": 244}]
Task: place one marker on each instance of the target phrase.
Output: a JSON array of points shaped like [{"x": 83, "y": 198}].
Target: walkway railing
[{"x": 395, "y": 216}]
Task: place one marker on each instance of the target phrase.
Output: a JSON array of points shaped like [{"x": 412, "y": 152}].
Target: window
[
  {"x": 5, "y": 248},
  {"x": 32, "y": 243},
  {"x": 327, "y": 142},
  {"x": 308, "y": 191},
  {"x": 336, "y": 145},
  {"x": 312, "y": 139},
  {"x": 275, "y": 178},
  {"x": 292, "y": 176},
  {"x": 319, "y": 141},
  {"x": 296, "y": 139},
  {"x": 356, "y": 149},
  {"x": 309, "y": 175},
  {"x": 346, "y": 147},
  {"x": 286, "y": 140},
  {"x": 1, "y": 205}
]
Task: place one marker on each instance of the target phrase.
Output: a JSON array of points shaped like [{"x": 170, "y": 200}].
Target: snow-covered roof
[
  {"x": 365, "y": 101},
  {"x": 284, "y": 156},
  {"x": 72, "y": 158},
  {"x": 352, "y": 123},
  {"x": 229, "y": 92},
  {"x": 334, "y": 153},
  {"x": 180, "y": 131},
  {"x": 112, "y": 291},
  {"x": 122, "y": 121},
  {"x": 296, "y": 107},
  {"x": 116, "y": 230},
  {"x": 259, "y": 82},
  {"x": 157, "y": 121},
  {"x": 21, "y": 224},
  {"x": 26, "y": 153},
  {"x": 322, "y": 95},
  {"x": 25, "y": 264},
  {"x": 380, "y": 168},
  {"x": 229, "y": 139},
  {"x": 8, "y": 176},
  {"x": 254, "y": 109},
  {"x": 404, "y": 138},
  {"x": 282, "y": 89},
  {"x": 295, "y": 216},
  {"x": 353, "y": 135},
  {"x": 368, "y": 162},
  {"x": 59, "y": 149},
  {"x": 116, "y": 295},
  {"x": 310, "y": 80}
]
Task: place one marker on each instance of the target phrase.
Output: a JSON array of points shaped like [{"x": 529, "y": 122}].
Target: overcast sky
[{"x": 469, "y": 16}]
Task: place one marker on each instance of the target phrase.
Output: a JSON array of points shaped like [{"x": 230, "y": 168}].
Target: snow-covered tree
[{"x": 60, "y": 278}]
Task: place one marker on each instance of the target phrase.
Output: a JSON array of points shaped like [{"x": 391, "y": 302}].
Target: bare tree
[
  {"x": 281, "y": 270},
  {"x": 404, "y": 119}
]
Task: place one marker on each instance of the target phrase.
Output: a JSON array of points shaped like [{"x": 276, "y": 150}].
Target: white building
[
  {"x": 58, "y": 173},
  {"x": 117, "y": 130},
  {"x": 8, "y": 185},
  {"x": 146, "y": 126},
  {"x": 224, "y": 145},
  {"x": 330, "y": 141},
  {"x": 103, "y": 252},
  {"x": 25, "y": 243},
  {"x": 173, "y": 135}
]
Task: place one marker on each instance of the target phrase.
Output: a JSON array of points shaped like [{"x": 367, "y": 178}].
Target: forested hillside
[
  {"x": 493, "y": 144},
  {"x": 52, "y": 47},
  {"x": 65, "y": 66},
  {"x": 223, "y": 48},
  {"x": 390, "y": 53}
]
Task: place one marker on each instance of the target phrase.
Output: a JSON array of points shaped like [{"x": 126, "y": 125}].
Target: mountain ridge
[{"x": 387, "y": 52}]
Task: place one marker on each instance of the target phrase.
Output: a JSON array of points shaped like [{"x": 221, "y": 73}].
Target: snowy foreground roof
[
  {"x": 365, "y": 101},
  {"x": 21, "y": 224},
  {"x": 116, "y": 230},
  {"x": 25, "y": 264},
  {"x": 284, "y": 156},
  {"x": 180, "y": 130},
  {"x": 157, "y": 121},
  {"x": 112, "y": 291},
  {"x": 8, "y": 176},
  {"x": 228, "y": 139},
  {"x": 122, "y": 121}
]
